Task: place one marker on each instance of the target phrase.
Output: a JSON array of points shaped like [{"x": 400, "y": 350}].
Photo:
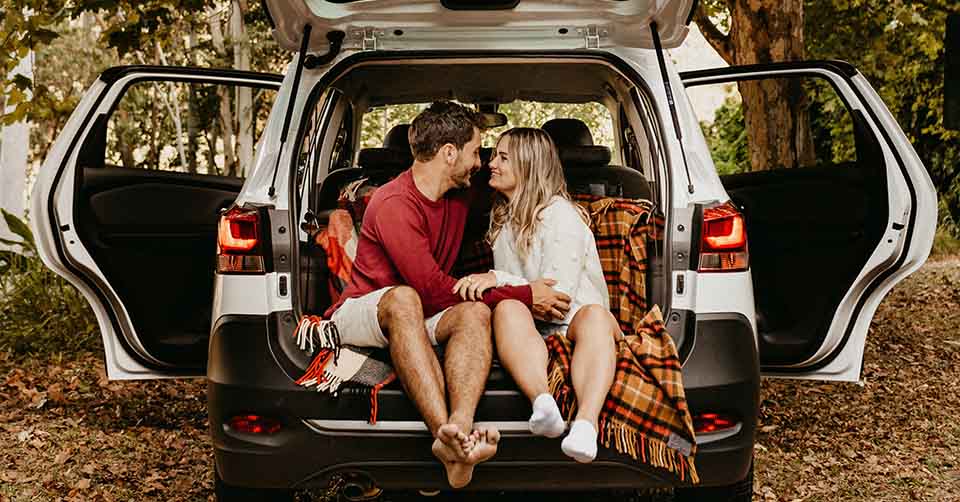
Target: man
[{"x": 401, "y": 294}]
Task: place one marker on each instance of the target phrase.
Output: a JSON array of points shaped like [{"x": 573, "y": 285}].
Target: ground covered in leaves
[{"x": 68, "y": 433}]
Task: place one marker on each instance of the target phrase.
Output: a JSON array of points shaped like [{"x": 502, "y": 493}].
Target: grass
[
  {"x": 945, "y": 242},
  {"x": 40, "y": 313}
]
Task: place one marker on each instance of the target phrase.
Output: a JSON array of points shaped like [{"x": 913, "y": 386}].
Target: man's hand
[{"x": 548, "y": 303}]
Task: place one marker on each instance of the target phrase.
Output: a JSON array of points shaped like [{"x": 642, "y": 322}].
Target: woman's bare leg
[
  {"x": 523, "y": 353},
  {"x": 520, "y": 348},
  {"x": 593, "y": 332}
]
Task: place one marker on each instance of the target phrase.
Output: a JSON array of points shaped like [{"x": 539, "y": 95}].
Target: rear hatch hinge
[
  {"x": 591, "y": 35},
  {"x": 366, "y": 38}
]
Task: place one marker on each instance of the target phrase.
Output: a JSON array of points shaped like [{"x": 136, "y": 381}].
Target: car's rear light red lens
[
  {"x": 238, "y": 242},
  {"x": 238, "y": 231},
  {"x": 254, "y": 424},
  {"x": 713, "y": 422},
  {"x": 723, "y": 243}
]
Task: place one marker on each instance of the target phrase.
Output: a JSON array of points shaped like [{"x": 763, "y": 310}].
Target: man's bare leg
[
  {"x": 400, "y": 314},
  {"x": 469, "y": 350}
]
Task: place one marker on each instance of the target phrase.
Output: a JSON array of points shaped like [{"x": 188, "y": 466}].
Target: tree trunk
[
  {"x": 192, "y": 132},
  {"x": 775, "y": 110},
  {"x": 244, "y": 110},
  {"x": 226, "y": 109},
  {"x": 14, "y": 152}
]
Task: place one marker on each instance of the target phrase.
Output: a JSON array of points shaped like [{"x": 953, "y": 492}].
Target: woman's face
[{"x": 503, "y": 175}]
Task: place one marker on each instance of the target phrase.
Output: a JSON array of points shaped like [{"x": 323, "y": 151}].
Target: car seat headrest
[
  {"x": 384, "y": 158},
  {"x": 584, "y": 156},
  {"x": 568, "y": 132},
  {"x": 397, "y": 138}
]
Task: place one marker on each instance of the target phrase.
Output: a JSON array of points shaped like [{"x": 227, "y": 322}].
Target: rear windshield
[{"x": 379, "y": 120}]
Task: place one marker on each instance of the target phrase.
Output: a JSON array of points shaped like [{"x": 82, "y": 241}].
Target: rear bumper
[{"x": 314, "y": 443}]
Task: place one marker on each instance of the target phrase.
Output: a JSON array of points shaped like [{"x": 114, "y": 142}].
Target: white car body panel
[{"x": 427, "y": 24}]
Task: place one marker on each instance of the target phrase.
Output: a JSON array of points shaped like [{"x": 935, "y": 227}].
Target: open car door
[
  {"x": 852, "y": 214},
  {"x": 125, "y": 206}
]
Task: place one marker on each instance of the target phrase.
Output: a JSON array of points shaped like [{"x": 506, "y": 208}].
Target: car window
[
  {"x": 378, "y": 121},
  {"x": 825, "y": 133},
  {"x": 535, "y": 114},
  {"x": 187, "y": 127}
]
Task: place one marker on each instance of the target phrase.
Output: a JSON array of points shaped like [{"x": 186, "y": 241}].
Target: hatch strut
[
  {"x": 673, "y": 106},
  {"x": 304, "y": 44}
]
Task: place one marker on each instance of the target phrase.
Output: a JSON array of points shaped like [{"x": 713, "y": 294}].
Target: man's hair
[{"x": 443, "y": 122}]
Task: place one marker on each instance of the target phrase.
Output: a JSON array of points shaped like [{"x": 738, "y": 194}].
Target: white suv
[{"x": 827, "y": 240}]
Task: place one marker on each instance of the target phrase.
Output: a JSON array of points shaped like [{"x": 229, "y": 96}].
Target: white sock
[
  {"x": 581, "y": 442},
  {"x": 546, "y": 419}
]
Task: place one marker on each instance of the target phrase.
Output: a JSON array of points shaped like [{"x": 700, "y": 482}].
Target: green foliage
[
  {"x": 39, "y": 311},
  {"x": 898, "y": 46},
  {"x": 727, "y": 138}
]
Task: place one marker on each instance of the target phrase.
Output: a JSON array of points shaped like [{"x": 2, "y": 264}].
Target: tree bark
[
  {"x": 775, "y": 110},
  {"x": 244, "y": 110},
  {"x": 226, "y": 109},
  {"x": 192, "y": 132}
]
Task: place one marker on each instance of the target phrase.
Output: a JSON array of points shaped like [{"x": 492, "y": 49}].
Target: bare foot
[
  {"x": 486, "y": 445},
  {"x": 459, "y": 474},
  {"x": 455, "y": 440}
]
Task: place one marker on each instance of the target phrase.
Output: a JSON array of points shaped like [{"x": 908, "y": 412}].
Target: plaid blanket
[{"x": 645, "y": 415}]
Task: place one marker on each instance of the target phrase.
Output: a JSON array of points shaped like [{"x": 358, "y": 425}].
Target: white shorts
[{"x": 358, "y": 323}]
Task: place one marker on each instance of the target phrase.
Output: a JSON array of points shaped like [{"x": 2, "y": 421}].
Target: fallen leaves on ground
[
  {"x": 68, "y": 433},
  {"x": 893, "y": 436}
]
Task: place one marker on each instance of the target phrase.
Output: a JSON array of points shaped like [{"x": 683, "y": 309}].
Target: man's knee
[
  {"x": 401, "y": 302},
  {"x": 474, "y": 314}
]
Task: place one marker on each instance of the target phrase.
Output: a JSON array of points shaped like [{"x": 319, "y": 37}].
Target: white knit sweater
[{"x": 562, "y": 249}]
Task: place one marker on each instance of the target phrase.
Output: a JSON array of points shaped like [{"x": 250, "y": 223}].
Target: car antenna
[
  {"x": 673, "y": 106},
  {"x": 304, "y": 44}
]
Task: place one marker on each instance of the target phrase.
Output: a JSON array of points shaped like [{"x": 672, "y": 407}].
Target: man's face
[{"x": 466, "y": 163}]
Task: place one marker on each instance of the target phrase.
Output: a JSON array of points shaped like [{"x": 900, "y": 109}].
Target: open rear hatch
[{"x": 432, "y": 24}]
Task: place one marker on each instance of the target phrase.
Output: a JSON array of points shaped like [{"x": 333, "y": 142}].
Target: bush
[{"x": 40, "y": 312}]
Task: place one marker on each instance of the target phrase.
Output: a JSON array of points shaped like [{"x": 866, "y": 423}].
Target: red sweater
[{"x": 408, "y": 239}]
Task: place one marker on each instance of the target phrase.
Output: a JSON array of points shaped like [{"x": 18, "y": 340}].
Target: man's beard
[{"x": 462, "y": 181}]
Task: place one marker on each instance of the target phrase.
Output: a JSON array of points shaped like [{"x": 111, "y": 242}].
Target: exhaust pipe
[{"x": 358, "y": 487}]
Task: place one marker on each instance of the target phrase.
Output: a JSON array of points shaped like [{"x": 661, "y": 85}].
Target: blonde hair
[{"x": 539, "y": 178}]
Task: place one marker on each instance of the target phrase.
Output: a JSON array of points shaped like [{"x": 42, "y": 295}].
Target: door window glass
[
  {"x": 777, "y": 123},
  {"x": 187, "y": 127}
]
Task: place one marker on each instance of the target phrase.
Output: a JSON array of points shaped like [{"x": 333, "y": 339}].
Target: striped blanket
[{"x": 645, "y": 415}]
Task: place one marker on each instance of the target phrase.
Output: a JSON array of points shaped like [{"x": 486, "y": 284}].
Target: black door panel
[
  {"x": 811, "y": 231},
  {"x": 153, "y": 234}
]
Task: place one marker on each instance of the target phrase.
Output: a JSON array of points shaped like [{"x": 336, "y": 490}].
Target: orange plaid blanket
[{"x": 645, "y": 414}]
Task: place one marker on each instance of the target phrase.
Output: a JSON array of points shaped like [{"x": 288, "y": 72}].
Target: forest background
[{"x": 897, "y": 44}]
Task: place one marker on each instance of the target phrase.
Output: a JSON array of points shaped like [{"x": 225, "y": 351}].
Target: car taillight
[
  {"x": 239, "y": 246},
  {"x": 254, "y": 424},
  {"x": 723, "y": 240},
  {"x": 713, "y": 422}
]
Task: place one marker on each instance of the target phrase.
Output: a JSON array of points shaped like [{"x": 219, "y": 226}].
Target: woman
[{"x": 536, "y": 232}]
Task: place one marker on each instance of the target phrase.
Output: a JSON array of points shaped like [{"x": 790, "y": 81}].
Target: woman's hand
[{"x": 471, "y": 287}]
